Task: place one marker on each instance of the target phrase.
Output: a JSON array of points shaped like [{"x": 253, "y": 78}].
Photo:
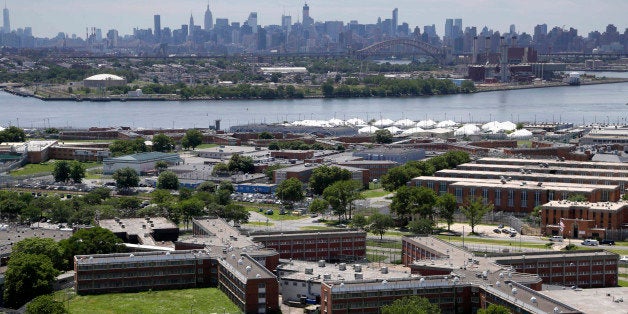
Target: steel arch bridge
[{"x": 440, "y": 54}]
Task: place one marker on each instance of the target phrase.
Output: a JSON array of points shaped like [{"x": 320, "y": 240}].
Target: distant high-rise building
[
  {"x": 157, "y": 32},
  {"x": 513, "y": 29},
  {"x": 395, "y": 21},
  {"x": 307, "y": 20},
  {"x": 209, "y": 19},
  {"x": 252, "y": 21},
  {"x": 458, "y": 23},
  {"x": 6, "y": 25},
  {"x": 449, "y": 28},
  {"x": 286, "y": 22},
  {"x": 191, "y": 27}
]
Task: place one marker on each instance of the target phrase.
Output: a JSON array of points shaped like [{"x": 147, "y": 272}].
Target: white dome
[
  {"x": 520, "y": 134},
  {"x": 508, "y": 126},
  {"x": 426, "y": 124},
  {"x": 394, "y": 129},
  {"x": 336, "y": 122},
  {"x": 490, "y": 125},
  {"x": 105, "y": 77},
  {"x": 446, "y": 124},
  {"x": 383, "y": 123},
  {"x": 356, "y": 121},
  {"x": 368, "y": 130},
  {"x": 467, "y": 129},
  {"x": 405, "y": 123},
  {"x": 412, "y": 131}
]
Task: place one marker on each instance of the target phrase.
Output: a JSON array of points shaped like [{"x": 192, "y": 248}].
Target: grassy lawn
[
  {"x": 259, "y": 223},
  {"x": 384, "y": 244},
  {"x": 513, "y": 243},
  {"x": 316, "y": 228},
  {"x": 275, "y": 216},
  {"x": 45, "y": 167},
  {"x": 374, "y": 193},
  {"x": 623, "y": 283},
  {"x": 207, "y": 300},
  {"x": 616, "y": 251},
  {"x": 203, "y": 146},
  {"x": 371, "y": 257}
]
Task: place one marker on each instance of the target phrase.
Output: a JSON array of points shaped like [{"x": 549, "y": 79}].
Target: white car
[{"x": 591, "y": 242}]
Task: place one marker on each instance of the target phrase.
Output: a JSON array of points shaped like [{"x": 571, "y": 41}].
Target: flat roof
[
  {"x": 230, "y": 149},
  {"x": 534, "y": 176},
  {"x": 138, "y": 226},
  {"x": 220, "y": 233},
  {"x": 612, "y": 206},
  {"x": 536, "y": 168},
  {"x": 600, "y": 300},
  {"x": 519, "y": 184},
  {"x": 552, "y": 162},
  {"x": 10, "y": 235},
  {"x": 305, "y": 233},
  {"x": 295, "y": 270}
]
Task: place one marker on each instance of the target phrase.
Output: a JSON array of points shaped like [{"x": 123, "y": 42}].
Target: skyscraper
[
  {"x": 252, "y": 21},
  {"x": 6, "y": 25},
  {"x": 286, "y": 22},
  {"x": 395, "y": 21},
  {"x": 191, "y": 27},
  {"x": 307, "y": 20},
  {"x": 449, "y": 28},
  {"x": 157, "y": 31},
  {"x": 209, "y": 19}
]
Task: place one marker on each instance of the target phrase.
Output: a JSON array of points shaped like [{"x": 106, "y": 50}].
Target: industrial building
[
  {"x": 398, "y": 155},
  {"x": 142, "y": 163},
  {"x": 581, "y": 220},
  {"x": 103, "y": 81}
]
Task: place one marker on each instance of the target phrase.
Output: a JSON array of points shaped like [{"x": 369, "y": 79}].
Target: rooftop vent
[
  {"x": 342, "y": 266},
  {"x": 384, "y": 270},
  {"x": 309, "y": 271},
  {"x": 321, "y": 263}
]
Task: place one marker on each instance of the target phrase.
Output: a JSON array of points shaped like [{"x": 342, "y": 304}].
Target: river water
[{"x": 606, "y": 103}]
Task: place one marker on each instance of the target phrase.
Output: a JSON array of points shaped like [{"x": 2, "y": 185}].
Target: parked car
[
  {"x": 269, "y": 212},
  {"x": 607, "y": 242},
  {"x": 497, "y": 231},
  {"x": 513, "y": 234},
  {"x": 556, "y": 239},
  {"x": 591, "y": 242}
]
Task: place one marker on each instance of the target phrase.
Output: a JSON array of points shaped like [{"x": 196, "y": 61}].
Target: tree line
[{"x": 380, "y": 86}]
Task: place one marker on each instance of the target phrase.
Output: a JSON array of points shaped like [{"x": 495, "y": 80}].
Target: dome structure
[
  {"x": 394, "y": 129},
  {"x": 522, "y": 134},
  {"x": 412, "y": 131},
  {"x": 383, "y": 123},
  {"x": 104, "y": 81},
  {"x": 426, "y": 124},
  {"x": 467, "y": 129},
  {"x": 336, "y": 122},
  {"x": 368, "y": 130},
  {"x": 404, "y": 123},
  {"x": 356, "y": 121},
  {"x": 446, "y": 124}
]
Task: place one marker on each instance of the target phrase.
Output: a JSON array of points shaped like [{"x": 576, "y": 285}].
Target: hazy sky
[{"x": 48, "y": 17}]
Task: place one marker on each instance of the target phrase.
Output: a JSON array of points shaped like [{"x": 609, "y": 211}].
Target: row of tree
[
  {"x": 161, "y": 143},
  {"x": 12, "y": 134},
  {"x": 399, "y": 176},
  {"x": 390, "y": 87}
]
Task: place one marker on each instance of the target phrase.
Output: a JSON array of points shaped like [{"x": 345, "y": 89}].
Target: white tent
[
  {"x": 426, "y": 124},
  {"x": 356, "y": 121},
  {"x": 336, "y": 122},
  {"x": 405, "y": 123},
  {"x": 383, "y": 123},
  {"x": 508, "y": 126},
  {"x": 368, "y": 130},
  {"x": 394, "y": 129},
  {"x": 491, "y": 126},
  {"x": 411, "y": 131},
  {"x": 522, "y": 134},
  {"x": 446, "y": 124},
  {"x": 467, "y": 129}
]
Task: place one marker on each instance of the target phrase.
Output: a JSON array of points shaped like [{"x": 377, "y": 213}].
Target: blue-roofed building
[
  {"x": 256, "y": 188},
  {"x": 142, "y": 163}
]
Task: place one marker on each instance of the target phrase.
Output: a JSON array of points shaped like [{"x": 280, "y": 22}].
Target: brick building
[
  {"x": 376, "y": 168},
  {"x": 515, "y": 196},
  {"x": 585, "y": 220},
  {"x": 329, "y": 245},
  {"x": 144, "y": 231}
]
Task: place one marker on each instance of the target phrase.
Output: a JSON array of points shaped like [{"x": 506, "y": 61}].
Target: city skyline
[{"x": 40, "y": 15}]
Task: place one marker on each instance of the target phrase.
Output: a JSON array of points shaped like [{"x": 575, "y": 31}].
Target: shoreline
[{"x": 480, "y": 89}]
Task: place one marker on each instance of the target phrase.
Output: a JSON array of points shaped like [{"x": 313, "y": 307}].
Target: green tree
[
  {"x": 318, "y": 206},
  {"x": 61, "y": 171},
  {"x": 328, "y": 89},
  {"x": 398, "y": 176},
  {"x": 227, "y": 186},
  {"x": 383, "y": 136},
  {"x": 168, "y": 180},
  {"x": 11, "y": 207},
  {"x": 577, "y": 198},
  {"x": 324, "y": 176},
  {"x": 495, "y": 309},
  {"x": 266, "y": 136},
  {"x": 126, "y": 178},
  {"x": 31, "y": 213},
  {"x": 126, "y": 147},
  {"x": 270, "y": 171},
  {"x": 421, "y": 226},
  {"x": 161, "y": 197},
  {"x": 290, "y": 191},
  {"x": 411, "y": 305},
  {"x": 359, "y": 221},
  {"x": 95, "y": 240},
  {"x": 162, "y": 143},
  {"x": 77, "y": 172},
  {"x": 45, "y": 304},
  {"x": 467, "y": 86},
  {"x": 220, "y": 169},
  {"x": 42, "y": 246},
  {"x": 341, "y": 195},
  {"x": 380, "y": 223},
  {"x": 624, "y": 197},
  {"x": 190, "y": 208},
  {"x": 237, "y": 213},
  {"x": 414, "y": 200},
  {"x": 207, "y": 186},
  {"x": 447, "y": 205},
  {"x": 27, "y": 276},
  {"x": 12, "y": 134},
  {"x": 241, "y": 163},
  {"x": 161, "y": 165},
  {"x": 474, "y": 210},
  {"x": 193, "y": 138}
]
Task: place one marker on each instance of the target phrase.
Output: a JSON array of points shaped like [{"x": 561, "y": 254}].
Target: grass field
[
  {"x": 207, "y": 300},
  {"x": 374, "y": 193},
  {"x": 45, "y": 167},
  {"x": 275, "y": 216},
  {"x": 316, "y": 228},
  {"x": 513, "y": 243},
  {"x": 383, "y": 244},
  {"x": 202, "y": 146},
  {"x": 372, "y": 257}
]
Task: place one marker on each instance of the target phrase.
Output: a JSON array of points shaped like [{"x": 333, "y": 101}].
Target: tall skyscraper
[
  {"x": 157, "y": 30},
  {"x": 209, "y": 19},
  {"x": 252, "y": 21},
  {"x": 191, "y": 27},
  {"x": 6, "y": 25},
  {"x": 513, "y": 29},
  {"x": 395, "y": 21},
  {"x": 307, "y": 20},
  {"x": 286, "y": 22},
  {"x": 449, "y": 28}
]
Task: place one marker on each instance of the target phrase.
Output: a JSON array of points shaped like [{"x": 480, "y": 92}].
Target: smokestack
[{"x": 474, "y": 58}]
